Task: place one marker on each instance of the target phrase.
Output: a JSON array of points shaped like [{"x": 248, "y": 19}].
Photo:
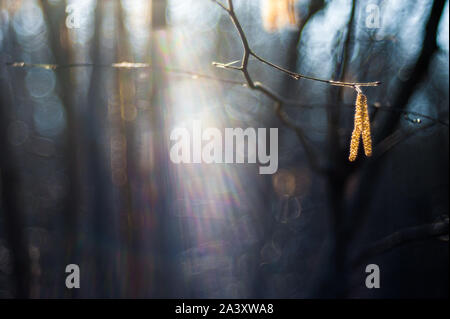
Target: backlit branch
[
  {"x": 248, "y": 52},
  {"x": 196, "y": 75},
  {"x": 257, "y": 86},
  {"x": 403, "y": 237}
]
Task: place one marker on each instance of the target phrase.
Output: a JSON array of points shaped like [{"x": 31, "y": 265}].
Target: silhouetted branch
[
  {"x": 403, "y": 237},
  {"x": 196, "y": 75},
  {"x": 396, "y": 138},
  {"x": 293, "y": 50},
  {"x": 257, "y": 86},
  {"x": 248, "y": 52},
  {"x": 123, "y": 65}
]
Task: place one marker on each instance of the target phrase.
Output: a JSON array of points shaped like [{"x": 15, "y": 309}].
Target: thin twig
[
  {"x": 257, "y": 86},
  {"x": 396, "y": 138},
  {"x": 123, "y": 65},
  {"x": 249, "y": 52},
  {"x": 195, "y": 75},
  {"x": 402, "y": 237},
  {"x": 298, "y": 76}
]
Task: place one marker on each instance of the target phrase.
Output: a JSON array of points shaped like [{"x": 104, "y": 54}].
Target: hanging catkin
[
  {"x": 366, "y": 134},
  {"x": 362, "y": 128},
  {"x": 354, "y": 144}
]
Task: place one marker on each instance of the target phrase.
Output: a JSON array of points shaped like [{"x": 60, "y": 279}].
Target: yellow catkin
[
  {"x": 362, "y": 128},
  {"x": 366, "y": 134},
  {"x": 354, "y": 145}
]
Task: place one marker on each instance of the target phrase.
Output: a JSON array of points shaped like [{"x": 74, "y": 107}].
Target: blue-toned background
[{"x": 86, "y": 177}]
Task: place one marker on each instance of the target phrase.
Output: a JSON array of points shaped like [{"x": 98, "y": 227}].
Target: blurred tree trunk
[{"x": 14, "y": 223}]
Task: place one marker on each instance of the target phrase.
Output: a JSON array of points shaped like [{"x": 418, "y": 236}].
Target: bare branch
[
  {"x": 249, "y": 52},
  {"x": 196, "y": 75},
  {"x": 220, "y": 4},
  {"x": 402, "y": 237},
  {"x": 124, "y": 65},
  {"x": 228, "y": 65},
  {"x": 396, "y": 138},
  {"x": 257, "y": 86},
  {"x": 298, "y": 76}
]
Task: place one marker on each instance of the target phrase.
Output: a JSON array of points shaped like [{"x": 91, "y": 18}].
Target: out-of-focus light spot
[
  {"x": 18, "y": 133},
  {"x": 28, "y": 21},
  {"x": 118, "y": 143},
  {"x": 129, "y": 113},
  {"x": 143, "y": 76},
  {"x": 270, "y": 253},
  {"x": 40, "y": 82},
  {"x": 49, "y": 117},
  {"x": 43, "y": 147},
  {"x": 288, "y": 210},
  {"x": 284, "y": 183},
  {"x": 118, "y": 160},
  {"x": 113, "y": 108},
  {"x": 279, "y": 14},
  {"x": 40, "y": 239}
]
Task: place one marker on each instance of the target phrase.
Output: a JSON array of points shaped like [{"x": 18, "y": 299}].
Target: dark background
[{"x": 84, "y": 151}]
